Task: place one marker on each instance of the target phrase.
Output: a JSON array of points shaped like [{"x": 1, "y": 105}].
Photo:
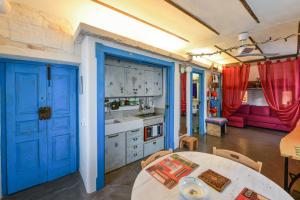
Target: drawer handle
[
  {"x": 135, "y": 146},
  {"x": 136, "y": 130},
  {"x": 135, "y": 139},
  {"x": 112, "y": 136},
  {"x": 134, "y": 155},
  {"x": 116, "y": 144}
]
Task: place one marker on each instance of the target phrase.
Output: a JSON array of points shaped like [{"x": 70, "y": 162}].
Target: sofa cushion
[
  {"x": 264, "y": 119},
  {"x": 244, "y": 109},
  {"x": 260, "y": 110},
  {"x": 273, "y": 113},
  {"x": 235, "y": 118},
  {"x": 241, "y": 115}
]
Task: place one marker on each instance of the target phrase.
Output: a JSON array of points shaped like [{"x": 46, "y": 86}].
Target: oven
[{"x": 153, "y": 131}]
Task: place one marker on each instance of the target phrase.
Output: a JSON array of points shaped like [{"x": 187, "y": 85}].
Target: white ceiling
[{"x": 277, "y": 18}]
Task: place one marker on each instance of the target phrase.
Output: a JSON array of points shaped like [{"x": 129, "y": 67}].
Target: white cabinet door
[
  {"x": 115, "y": 151},
  {"x": 134, "y": 82},
  {"x": 149, "y": 82},
  {"x": 114, "y": 81},
  {"x": 158, "y": 83}
]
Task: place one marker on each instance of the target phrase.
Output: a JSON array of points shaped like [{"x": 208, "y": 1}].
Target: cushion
[
  {"x": 260, "y": 110},
  {"x": 241, "y": 115},
  {"x": 264, "y": 119},
  {"x": 244, "y": 109},
  {"x": 236, "y": 119},
  {"x": 273, "y": 113},
  {"x": 216, "y": 120}
]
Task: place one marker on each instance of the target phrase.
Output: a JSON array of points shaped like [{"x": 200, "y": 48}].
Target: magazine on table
[{"x": 171, "y": 169}]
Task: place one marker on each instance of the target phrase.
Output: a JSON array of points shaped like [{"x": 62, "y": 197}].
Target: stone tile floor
[{"x": 258, "y": 144}]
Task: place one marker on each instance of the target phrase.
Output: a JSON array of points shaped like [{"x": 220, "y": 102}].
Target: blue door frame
[
  {"x": 3, "y": 127},
  {"x": 201, "y": 96},
  {"x": 3, "y": 62},
  {"x": 103, "y": 51}
]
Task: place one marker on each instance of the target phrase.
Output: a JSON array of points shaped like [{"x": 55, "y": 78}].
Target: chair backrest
[
  {"x": 238, "y": 158},
  {"x": 155, "y": 156}
]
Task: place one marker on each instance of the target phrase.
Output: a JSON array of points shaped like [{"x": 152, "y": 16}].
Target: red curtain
[
  {"x": 234, "y": 85},
  {"x": 281, "y": 85},
  {"x": 183, "y": 93}
]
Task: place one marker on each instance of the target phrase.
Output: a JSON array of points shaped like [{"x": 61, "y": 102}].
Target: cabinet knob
[
  {"x": 116, "y": 144},
  {"x": 154, "y": 142}
]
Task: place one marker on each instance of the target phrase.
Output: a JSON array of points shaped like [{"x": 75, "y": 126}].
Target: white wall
[
  {"x": 255, "y": 96},
  {"x": 88, "y": 107},
  {"x": 253, "y": 74},
  {"x": 28, "y": 33}
]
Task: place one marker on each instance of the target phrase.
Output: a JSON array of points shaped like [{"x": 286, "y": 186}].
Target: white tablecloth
[{"x": 148, "y": 188}]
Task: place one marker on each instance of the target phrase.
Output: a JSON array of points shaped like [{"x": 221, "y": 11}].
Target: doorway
[
  {"x": 103, "y": 51},
  {"x": 41, "y": 123},
  {"x": 197, "y": 101}
]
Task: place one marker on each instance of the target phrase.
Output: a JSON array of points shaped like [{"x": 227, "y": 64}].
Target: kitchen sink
[{"x": 119, "y": 125}]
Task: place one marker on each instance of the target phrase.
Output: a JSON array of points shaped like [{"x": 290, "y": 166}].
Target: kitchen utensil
[{"x": 114, "y": 105}]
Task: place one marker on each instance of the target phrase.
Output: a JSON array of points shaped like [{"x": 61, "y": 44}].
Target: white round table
[{"x": 148, "y": 188}]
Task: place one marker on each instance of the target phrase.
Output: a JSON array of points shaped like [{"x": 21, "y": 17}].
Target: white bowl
[{"x": 192, "y": 188}]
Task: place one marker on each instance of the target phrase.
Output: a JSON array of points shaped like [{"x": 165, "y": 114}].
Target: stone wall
[{"x": 28, "y": 32}]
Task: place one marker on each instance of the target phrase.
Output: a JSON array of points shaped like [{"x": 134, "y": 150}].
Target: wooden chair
[
  {"x": 155, "y": 156},
  {"x": 189, "y": 141},
  {"x": 238, "y": 158}
]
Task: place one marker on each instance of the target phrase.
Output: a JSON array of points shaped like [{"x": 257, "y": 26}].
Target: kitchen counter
[{"x": 117, "y": 125}]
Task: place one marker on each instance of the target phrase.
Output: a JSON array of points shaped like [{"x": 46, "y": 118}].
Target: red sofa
[{"x": 259, "y": 116}]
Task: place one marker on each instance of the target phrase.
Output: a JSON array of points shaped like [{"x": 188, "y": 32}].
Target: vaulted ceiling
[{"x": 205, "y": 26}]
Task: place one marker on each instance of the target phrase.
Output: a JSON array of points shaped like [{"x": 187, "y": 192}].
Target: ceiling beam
[
  {"x": 192, "y": 16},
  {"x": 138, "y": 19},
  {"x": 272, "y": 58},
  {"x": 256, "y": 46},
  {"x": 249, "y": 10},
  {"x": 228, "y": 53},
  {"x": 298, "y": 43}
]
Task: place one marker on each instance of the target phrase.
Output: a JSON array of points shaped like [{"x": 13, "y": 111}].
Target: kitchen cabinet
[
  {"x": 134, "y": 82},
  {"x": 149, "y": 82},
  {"x": 115, "y": 151},
  {"x": 153, "y": 146},
  {"x": 153, "y": 82},
  {"x": 135, "y": 145},
  {"x": 124, "y": 79},
  {"x": 114, "y": 81},
  {"x": 157, "y": 83}
]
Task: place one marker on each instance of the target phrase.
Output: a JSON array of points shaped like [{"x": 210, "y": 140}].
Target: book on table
[
  {"x": 215, "y": 180},
  {"x": 247, "y": 194}
]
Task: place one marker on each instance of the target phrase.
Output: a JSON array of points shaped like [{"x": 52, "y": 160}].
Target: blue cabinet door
[
  {"x": 62, "y": 125},
  {"x": 40, "y": 150},
  {"x": 25, "y": 133}
]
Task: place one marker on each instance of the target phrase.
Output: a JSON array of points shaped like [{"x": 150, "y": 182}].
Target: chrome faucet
[{"x": 141, "y": 104}]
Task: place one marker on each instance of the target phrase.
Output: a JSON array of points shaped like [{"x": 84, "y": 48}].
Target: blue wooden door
[
  {"x": 26, "y": 134},
  {"x": 62, "y": 125},
  {"x": 40, "y": 150}
]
